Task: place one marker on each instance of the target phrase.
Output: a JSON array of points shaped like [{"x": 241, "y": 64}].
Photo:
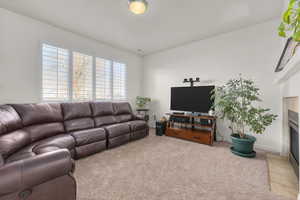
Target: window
[
  {"x": 119, "y": 81},
  {"x": 55, "y": 73},
  {"x": 81, "y": 78},
  {"x": 103, "y": 79}
]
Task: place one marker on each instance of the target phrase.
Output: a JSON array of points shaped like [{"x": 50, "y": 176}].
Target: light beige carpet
[{"x": 165, "y": 168}]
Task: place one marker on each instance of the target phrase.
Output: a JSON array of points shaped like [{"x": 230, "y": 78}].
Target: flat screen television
[{"x": 192, "y": 99}]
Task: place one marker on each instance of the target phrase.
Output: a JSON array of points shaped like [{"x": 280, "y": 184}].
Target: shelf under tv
[{"x": 204, "y": 134}]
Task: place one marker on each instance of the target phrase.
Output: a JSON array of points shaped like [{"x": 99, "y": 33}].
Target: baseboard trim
[{"x": 267, "y": 148}]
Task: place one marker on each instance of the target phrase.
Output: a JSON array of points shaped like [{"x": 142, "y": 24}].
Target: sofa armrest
[{"x": 20, "y": 175}]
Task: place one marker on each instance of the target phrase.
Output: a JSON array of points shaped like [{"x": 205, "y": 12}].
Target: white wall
[
  {"x": 20, "y": 56},
  {"x": 252, "y": 51}
]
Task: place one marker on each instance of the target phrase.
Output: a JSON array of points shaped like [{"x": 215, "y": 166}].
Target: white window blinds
[
  {"x": 73, "y": 76},
  {"x": 55, "y": 73},
  {"x": 103, "y": 79},
  {"x": 82, "y": 77},
  {"x": 119, "y": 81}
]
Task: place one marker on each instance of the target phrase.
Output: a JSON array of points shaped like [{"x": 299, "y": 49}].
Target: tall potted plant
[
  {"x": 235, "y": 101},
  {"x": 290, "y": 24}
]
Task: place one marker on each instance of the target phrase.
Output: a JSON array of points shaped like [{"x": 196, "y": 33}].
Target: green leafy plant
[
  {"x": 290, "y": 25},
  {"x": 141, "y": 102},
  {"x": 234, "y": 102}
]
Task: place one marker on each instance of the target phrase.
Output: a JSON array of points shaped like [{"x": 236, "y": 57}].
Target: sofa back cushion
[
  {"x": 123, "y": 111},
  {"x": 9, "y": 119},
  {"x": 122, "y": 108},
  {"x": 102, "y": 108},
  {"x": 77, "y": 116},
  {"x": 13, "y": 142},
  {"x": 41, "y": 120},
  {"x": 39, "y": 113},
  {"x": 12, "y": 137},
  {"x": 103, "y": 113}
]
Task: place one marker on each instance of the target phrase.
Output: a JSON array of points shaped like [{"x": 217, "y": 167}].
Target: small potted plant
[
  {"x": 235, "y": 101},
  {"x": 142, "y": 102}
]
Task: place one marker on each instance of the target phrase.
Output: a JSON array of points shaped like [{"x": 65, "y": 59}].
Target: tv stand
[{"x": 193, "y": 131}]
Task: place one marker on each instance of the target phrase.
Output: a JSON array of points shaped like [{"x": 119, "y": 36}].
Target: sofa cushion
[
  {"x": 25, "y": 152},
  {"x": 89, "y": 136},
  {"x": 38, "y": 132},
  {"x": 19, "y": 156},
  {"x": 60, "y": 141},
  {"x": 12, "y": 142},
  {"x": 117, "y": 130},
  {"x": 123, "y": 118},
  {"x": 79, "y": 124},
  {"x": 76, "y": 110},
  {"x": 43, "y": 146},
  {"x": 46, "y": 149},
  {"x": 105, "y": 120},
  {"x": 39, "y": 113},
  {"x": 137, "y": 125},
  {"x": 122, "y": 108},
  {"x": 102, "y": 108},
  {"x": 9, "y": 119}
]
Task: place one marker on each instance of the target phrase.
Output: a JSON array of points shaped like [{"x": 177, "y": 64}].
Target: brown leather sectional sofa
[{"x": 38, "y": 143}]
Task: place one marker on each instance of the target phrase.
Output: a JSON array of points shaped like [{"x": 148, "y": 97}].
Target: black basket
[{"x": 161, "y": 128}]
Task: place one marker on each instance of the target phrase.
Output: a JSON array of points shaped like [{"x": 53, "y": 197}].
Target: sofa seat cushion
[
  {"x": 89, "y": 136},
  {"x": 24, "y": 153},
  {"x": 44, "y": 146},
  {"x": 117, "y": 130},
  {"x": 46, "y": 149},
  {"x": 123, "y": 118},
  {"x": 137, "y": 125},
  {"x": 61, "y": 141},
  {"x": 19, "y": 156}
]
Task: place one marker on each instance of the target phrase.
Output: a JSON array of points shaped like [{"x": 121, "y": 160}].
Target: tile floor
[{"x": 283, "y": 180}]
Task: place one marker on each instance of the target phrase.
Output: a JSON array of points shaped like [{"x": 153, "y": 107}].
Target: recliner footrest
[
  {"x": 119, "y": 140},
  {"x": 89, "y": 149}
]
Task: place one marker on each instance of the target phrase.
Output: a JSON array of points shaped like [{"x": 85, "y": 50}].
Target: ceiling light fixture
[{"x": 138, "y": 6}]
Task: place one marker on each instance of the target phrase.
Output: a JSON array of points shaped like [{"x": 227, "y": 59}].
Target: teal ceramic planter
[{"x": 243, "y": 146}]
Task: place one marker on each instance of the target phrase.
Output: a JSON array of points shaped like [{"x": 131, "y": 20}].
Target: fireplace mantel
[{"x": 291, "y": 68}]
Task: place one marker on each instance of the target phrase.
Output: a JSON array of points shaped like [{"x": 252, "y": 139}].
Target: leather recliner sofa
[{"x": 39, "y": 142}]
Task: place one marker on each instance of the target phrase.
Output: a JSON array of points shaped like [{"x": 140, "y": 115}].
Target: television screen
[{"x": 192, "y": 99}]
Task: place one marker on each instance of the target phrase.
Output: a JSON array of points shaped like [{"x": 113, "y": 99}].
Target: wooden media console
[{"x": 190, "y": 129}]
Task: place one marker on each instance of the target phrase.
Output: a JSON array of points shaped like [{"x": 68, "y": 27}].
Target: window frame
[{"x": 70, "y": 74}]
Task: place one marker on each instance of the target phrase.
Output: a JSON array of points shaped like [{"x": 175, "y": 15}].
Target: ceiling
[{"x": 166, "y": 24}]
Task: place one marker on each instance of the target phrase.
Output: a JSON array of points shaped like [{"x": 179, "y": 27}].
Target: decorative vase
[{"x": 243, "y": 146}]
